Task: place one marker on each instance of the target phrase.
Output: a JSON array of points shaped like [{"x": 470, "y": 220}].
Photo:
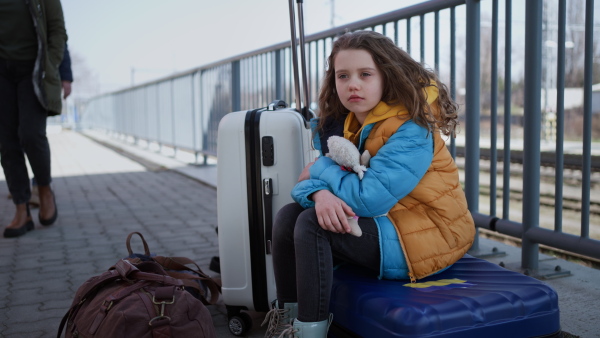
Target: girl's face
[{"x": 358, "y": 81}]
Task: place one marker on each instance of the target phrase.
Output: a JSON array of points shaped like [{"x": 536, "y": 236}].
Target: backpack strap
[
  {"x": 175, "y": 264},
  {"x": 155, "y": 273},
  {"x": 128, "y": 243}
]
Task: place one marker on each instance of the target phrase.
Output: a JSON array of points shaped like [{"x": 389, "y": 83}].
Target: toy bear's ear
[{"x": 365, "y": 158}]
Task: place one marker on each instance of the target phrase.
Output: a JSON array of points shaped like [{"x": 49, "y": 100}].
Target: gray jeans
[
  {"x": 22, "y": 130},
  {"x": 304, "y": 254}
]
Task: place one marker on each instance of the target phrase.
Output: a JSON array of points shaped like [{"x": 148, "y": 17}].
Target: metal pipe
[
  {"x": 560, "y": 116},
  {"x": 494, "y": 110},
  {"x": 453, "y": 71},
  {"x": 294, "y": 50},
  {"x": 305, "y": 86},
  {"x": 472, "y": 108},
  {"x": 485, "y": 221},
  {"x": 278, "y": 76},
  {"x": 472, "y": 105},
  {"x": 422, "y": 37},
  {"x": 532, "y": 131},
  {"x": 587, "y": 119},
  {"x": 236, "y": 89},
  {"x": 510, "y": 228},
  {"x": 408, "y": 39},
  {"x": 580, "y": 245},
  {"x": 507, "y": 109},
  {"x": 436, "y": 51}
]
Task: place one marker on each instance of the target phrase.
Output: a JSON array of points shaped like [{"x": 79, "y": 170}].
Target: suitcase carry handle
[{"x": 304, "y": 111}]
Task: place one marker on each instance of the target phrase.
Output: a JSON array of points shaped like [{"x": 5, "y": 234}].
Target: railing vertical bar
[
  {"x": 560, "y": 116},
  {"x": 472, "y": 108},
  {"x": 193, "y": 113},
  {"x": 236, "y": 86},
  {"x": 243, "y": 70},
  {"x": 248, "y": 84},
  {"x": 172, "y": 116},
  {"x": 317, "y": 71},
  {"x": 256, "y": 84},
  {"x": 146, "y": 121},
  {"x": 309, "y": 73},
  {"x": 494, "y": 111},
  {"x": 158, "y": 124},
  {"x": 408, "y": 35},
  {"x": 264, "y": 81},
  {"x": 453, "y": 71},
  {"x": 532, "y": 131},
  {"x": 278, "y": 76},
  {"x": 396, "y": 32},
  {"x": 587, "y": 119},
  {"x": 259, "y": 80},
  {"x": 271, "y": 77},
  {"x": 201, "y": 112},
  {"x": 258, "y": 76},
  {"x": 268, "y": 95},
  {"x": 436, "y": 50},
  {"x": 422, "y": 37},
  {"x": 288, "y": 82},
  {"x": 507, "y": 109}
]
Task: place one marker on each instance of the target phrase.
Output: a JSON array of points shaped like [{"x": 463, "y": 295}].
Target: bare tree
[{"x": 85, "y": 82}]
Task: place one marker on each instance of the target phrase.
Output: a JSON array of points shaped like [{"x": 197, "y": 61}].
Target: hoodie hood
[{"x": 382, "y": 111}]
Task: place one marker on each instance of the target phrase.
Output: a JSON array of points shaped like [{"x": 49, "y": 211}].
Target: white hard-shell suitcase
[{"x": 261, "y": 154}]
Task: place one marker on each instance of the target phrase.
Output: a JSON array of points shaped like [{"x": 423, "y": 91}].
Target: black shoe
[
  {"x": 51, "y": 220},
  {"x": 20, "y": 231}
]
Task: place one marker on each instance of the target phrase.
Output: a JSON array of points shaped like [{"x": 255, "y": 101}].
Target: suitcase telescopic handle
[{"x": 305, "y": 111}]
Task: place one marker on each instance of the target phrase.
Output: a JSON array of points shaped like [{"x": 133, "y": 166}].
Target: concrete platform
[{"x": 107, "y": 188}]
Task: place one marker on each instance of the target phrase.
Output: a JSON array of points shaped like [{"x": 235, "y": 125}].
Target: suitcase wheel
[{"x": 240, "y": 323}]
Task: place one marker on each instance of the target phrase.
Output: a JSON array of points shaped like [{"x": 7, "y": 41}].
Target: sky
[{"x": 154, "y": 38}]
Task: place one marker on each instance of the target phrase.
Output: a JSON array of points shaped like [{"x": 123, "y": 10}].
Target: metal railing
[{"x": 183, "y": 110}]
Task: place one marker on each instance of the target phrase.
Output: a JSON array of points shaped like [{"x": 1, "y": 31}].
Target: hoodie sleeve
[{"x": 393, "y": 173}]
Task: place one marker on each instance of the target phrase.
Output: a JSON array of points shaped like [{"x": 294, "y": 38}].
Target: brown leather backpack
[{"x": 136, "y": 299}]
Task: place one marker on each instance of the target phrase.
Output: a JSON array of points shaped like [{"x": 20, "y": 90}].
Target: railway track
[
  {"x": 547, "y": 159},
  {"x": 571, "y": 199},
  {"x": 546, "y": 200}
]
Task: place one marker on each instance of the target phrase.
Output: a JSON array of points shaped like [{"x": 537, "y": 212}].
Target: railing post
[
  {"x": 472, "y": 109},
  {"x": 507, "y": 110},
  {"x": 587, "y": 119},
  {"x": 236, "y": 90},
  {"x": 532, "y": 131},
  {"x": 453, "y": 70}
]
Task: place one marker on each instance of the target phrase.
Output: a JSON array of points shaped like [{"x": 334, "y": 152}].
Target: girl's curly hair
[{"x": 404, "y": 82}]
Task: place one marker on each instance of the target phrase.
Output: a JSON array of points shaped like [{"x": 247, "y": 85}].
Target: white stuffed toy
[{"x": 345, "y": 153}]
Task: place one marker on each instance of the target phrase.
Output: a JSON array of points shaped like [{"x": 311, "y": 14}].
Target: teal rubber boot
[{"x": 308, "y": 330}]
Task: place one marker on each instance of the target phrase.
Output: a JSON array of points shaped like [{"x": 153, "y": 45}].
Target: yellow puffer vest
[{"x": 433, "y": 222}]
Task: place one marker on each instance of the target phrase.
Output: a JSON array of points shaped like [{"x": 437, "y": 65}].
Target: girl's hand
[
  {"x": 305, "y": 174},
  {"x": 332, "y": 212}
]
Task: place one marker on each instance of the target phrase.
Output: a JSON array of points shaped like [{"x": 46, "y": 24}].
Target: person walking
[{"x": 32, "y": 42}]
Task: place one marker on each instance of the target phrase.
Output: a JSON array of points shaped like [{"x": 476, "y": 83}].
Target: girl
[{"x": 412, "y": 209}]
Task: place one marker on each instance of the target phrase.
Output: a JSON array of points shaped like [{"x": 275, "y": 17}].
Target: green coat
[{"x": 49, "y": 23}]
